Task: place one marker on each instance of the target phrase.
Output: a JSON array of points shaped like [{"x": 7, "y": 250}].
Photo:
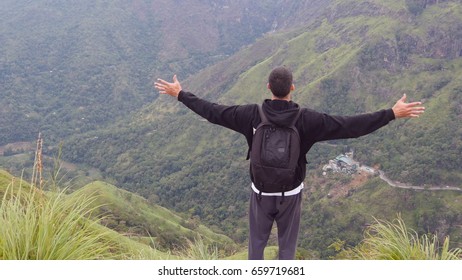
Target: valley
[{"x": 81, "y": 74}]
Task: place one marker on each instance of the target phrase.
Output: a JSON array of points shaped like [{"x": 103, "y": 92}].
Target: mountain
[
  {"x": 348, "y": 58},
  {"x": 357, "y": 57},
  {"x": 68, "y": 67}
]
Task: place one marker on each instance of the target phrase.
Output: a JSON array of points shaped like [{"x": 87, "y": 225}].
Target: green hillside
[
  {"x": 134, "y": 216},
  {"x": 350, "y": 57},
  {"x": 5, "y": 179},
  {"x": 68, "y": 67},
  {"x": 342, "y": 209},
  {"x": 358, "y": 56},
  {"x": 134, "y": 228},
  {"x": 137, "y": 229},
  {"x": 27, "y": 226}
]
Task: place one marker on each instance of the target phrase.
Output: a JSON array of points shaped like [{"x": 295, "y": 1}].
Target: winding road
[{"x": 403, "y": 186}]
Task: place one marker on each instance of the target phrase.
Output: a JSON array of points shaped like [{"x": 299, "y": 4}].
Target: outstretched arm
[
  {"x": 237, "y": 118},
  {"x": 340, "y": 127},
  {"x": 172, "y": 89},
  {"x": 407, "y": 110}
]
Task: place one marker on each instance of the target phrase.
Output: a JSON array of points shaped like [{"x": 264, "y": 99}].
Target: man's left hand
[{"x": 407, "y": 110}]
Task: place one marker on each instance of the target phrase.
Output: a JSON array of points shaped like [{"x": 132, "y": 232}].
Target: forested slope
[
  {"x": 348, "y": 57},
  {"x": 359, "y": 56},
  {"x": 68, "y": 67}
]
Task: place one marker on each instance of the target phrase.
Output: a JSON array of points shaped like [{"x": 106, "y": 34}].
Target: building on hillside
[{"x": 344, "y": 163}]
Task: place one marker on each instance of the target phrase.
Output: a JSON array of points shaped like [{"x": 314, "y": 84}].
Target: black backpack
[{"x": 274, "y": 155}]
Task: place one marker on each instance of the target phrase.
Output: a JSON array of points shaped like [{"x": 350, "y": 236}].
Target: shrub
[
  {"x": 393, "y": 241},
  {"x": 35, "y": 226}
]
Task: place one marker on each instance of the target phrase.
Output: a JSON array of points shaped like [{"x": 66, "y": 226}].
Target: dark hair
[{"x": 280, "y": 81}]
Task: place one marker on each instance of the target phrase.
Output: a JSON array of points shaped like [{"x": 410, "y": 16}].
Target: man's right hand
[{"x": 172, "y": 89}]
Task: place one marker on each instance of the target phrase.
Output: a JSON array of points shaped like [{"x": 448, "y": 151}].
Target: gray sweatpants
[{"x": 262, "y": 213}]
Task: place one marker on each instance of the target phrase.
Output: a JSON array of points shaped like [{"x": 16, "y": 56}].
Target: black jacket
[{"x": 312, "y": 126}]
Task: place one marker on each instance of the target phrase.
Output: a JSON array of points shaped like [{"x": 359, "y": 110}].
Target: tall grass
[
  {"x": 394, "y": 241},
  {"x": 51, "y": 226},
  {"x": 35, "y": 226},
  {"x": 198, "y": 250}
]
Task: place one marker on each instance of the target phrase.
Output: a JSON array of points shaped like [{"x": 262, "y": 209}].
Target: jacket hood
[{"x": 280, "y": 112}]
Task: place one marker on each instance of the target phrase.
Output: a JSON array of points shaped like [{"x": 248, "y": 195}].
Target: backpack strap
[
  {"x": 296, "y": 118},
  {"x": 263, "y": 117}
]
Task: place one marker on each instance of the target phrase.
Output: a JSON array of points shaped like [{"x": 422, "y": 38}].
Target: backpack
[{"x": 274, "y": 155}]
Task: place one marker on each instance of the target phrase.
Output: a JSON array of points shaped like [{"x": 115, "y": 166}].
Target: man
[{"x": 265, "y": 208}]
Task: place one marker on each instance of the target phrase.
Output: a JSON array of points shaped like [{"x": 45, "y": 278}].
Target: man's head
[{"x": 280, "y": 82}]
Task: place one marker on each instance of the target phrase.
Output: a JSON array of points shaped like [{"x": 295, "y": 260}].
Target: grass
[
  {"x": 137, "y": 211},
  {"x": 394, "y": 241},
  {"x": 198, "y": 250},
  {"x": 55, "y": 225},
  {"x": 36, "y": 226},
  {"x": 271, "y": 253},
  {"x": 52, "y": 225},
  {"x": 47, "y": 226}
]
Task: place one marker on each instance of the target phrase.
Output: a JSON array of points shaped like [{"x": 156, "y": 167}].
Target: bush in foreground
[
  {"x": 35, "y": 226},
  {"x": 394, "y": 241}
]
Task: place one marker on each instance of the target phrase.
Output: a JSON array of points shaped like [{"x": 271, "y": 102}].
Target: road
[{"x": 404, "y": 186}]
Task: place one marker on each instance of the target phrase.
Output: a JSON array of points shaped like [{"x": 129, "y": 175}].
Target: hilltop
[
  {"x": 143, "y": 230},
  {"x": 135, "y": 226}
]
